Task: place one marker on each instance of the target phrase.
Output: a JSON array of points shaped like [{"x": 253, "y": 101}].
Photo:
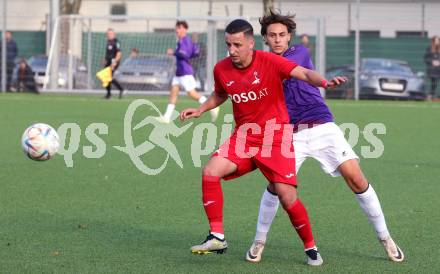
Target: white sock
[
  {"x": 268, "y": 209},
  {"x": 169, "y": 111},
  {"x": 219, "y": 235},
  {"x": 370, "y": 204},
  {"x": 202, "y": 99}
]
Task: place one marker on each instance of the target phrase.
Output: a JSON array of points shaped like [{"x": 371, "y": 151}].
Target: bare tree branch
[
  {"x": 267, "y": 6},
  {"x": 70, "y": 6}
]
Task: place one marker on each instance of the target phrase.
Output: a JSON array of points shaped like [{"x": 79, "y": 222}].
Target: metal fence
[
  {"x": 392, "y": 30},
  {"x": 78, "y": 49}
]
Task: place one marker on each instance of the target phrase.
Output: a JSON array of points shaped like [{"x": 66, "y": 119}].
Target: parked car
[
  {"x": 346, "y": 90},
  {"x": 38, "y": 64},
  {"x": 379, "y": 79},
  {"x": 146, "y": 72}
]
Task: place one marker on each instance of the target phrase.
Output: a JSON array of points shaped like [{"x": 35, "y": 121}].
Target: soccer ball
[{"x": 40, "y": 142}]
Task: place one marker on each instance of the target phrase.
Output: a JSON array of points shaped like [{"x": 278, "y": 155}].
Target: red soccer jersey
[{"x": 256, "y": 91}]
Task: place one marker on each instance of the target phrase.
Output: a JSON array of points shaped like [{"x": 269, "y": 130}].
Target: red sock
[
  {"x": 213, "y": 202},
  {"x": 300, "y": 221}
]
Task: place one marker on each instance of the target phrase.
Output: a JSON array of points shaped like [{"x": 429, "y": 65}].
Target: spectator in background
[
  {"x": 134, "y": 52},
  {"x": 112, "y": 59},
  {"x": 432, "y": 61},
  {"x": 23, "y": 78},
  {"x": 305, "y": 41},
  {"x": 11, "y": 54}
]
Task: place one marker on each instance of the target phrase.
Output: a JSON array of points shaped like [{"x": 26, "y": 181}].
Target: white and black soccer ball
[{"x": 40, "y": 142}]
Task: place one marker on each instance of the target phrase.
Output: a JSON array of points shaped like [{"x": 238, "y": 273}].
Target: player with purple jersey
[
  {"x": 316, "y": 136},
  {"x": 306, "y": 107},
  {"x": 184, "y": 52}
]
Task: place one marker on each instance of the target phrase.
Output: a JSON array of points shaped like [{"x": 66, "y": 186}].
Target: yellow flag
[{"x": 105, "y": 76}]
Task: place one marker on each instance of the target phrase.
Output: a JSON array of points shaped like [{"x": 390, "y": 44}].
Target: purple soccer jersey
[
  {"x": 185, "y": 50},
  {"x": 304, "y": 101}
]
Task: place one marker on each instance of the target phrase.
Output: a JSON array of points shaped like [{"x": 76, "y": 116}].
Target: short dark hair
[
  {"x": 182, "y": 23},
  {"x": 274, "y": 17},
  {"x": 240, "y": 25}
]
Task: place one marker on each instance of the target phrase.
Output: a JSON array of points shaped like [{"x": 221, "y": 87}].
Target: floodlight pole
[
  {"x": 3, "y": 76},
  {"x": 357, "y": 53}
]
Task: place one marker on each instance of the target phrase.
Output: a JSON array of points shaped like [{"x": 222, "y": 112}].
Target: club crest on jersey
[{"x": 257, "y": 80}]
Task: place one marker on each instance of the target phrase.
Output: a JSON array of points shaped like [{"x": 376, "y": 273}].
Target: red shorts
[{"x": 276, "y": 160}]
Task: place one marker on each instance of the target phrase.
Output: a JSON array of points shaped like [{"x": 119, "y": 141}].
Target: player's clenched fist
[{"x": 190, "y": 113}]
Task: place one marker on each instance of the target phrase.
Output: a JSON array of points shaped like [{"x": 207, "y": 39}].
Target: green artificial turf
[{"x": 105, "y": 216}]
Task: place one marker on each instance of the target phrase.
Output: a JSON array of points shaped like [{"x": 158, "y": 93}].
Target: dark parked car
[
  {"x": 346, "y": 90},
  {"x": 379, "y": 79},
  {"x": 39, "y": 63},
  {"x": 146, "y": 72}
]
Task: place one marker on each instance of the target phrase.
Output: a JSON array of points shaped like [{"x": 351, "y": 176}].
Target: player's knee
[
  {"x": 287, "y": 197},
  {"x": 287, "y": 202},
  {"x": 357, "y": 183},
  {"x": 193, "y": 94},
  {"x": 208, "y": 171},
  {"x": 355, "y": 179}
]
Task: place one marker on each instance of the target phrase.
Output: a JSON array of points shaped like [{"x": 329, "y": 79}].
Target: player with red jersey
[{"x": 262, "y": 136}]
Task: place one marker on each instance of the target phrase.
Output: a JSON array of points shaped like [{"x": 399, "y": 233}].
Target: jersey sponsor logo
[
  {"x": 244, "y": 97},
  {"x": 257, "y": 80}
]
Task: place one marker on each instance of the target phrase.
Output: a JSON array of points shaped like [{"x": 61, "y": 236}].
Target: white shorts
[
  {"x": 187, "y": 82},
  {"x": 325, "y": 143}
]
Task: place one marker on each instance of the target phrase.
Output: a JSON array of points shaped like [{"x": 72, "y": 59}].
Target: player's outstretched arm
[
  {"x": 213, "y": 101},
  {"x": 314, "y": 78}
]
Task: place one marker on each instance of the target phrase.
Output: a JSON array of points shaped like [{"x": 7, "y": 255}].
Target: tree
[
  {"x": 67, "y": 7},
  {"x": 267, "y": 6},
  {"x": 70, "y": 6}
]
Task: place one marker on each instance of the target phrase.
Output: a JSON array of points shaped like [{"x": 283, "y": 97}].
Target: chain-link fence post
[
  {"x": 320, "y": 47},
  {"x": 3, "y": 60},
  {"x": 211, "y": 54},
  {"x": 357, "y": 52}
]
